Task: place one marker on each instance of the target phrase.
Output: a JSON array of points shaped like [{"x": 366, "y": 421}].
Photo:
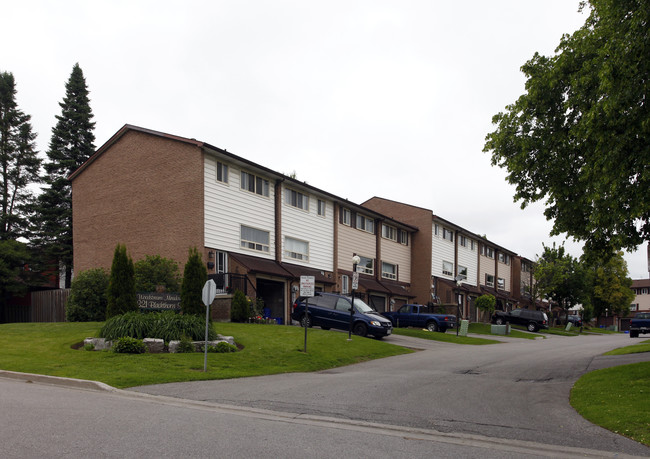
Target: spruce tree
[
  {"x": 195, "y": 275},
  {"x": 72, "y": 143},
  {"x": 19, "y": 163},
  {"x": 121, "y": 286}
]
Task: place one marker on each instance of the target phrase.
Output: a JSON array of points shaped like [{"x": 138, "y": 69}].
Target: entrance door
[{"x": 272, "y": 293}]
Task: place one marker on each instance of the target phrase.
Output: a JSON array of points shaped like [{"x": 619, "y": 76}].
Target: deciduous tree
[{"x": 610, "y": 286}]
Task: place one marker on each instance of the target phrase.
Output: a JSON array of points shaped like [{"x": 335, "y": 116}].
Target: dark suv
[
  {"x": 532, "y": 320},
  {"x": 330, "y": 310}
]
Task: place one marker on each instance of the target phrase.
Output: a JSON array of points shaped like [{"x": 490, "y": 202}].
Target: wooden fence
[{"x": 43, "y": 306}]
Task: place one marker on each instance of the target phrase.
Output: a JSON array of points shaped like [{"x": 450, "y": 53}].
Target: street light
[{"x": 355, "y": 284}]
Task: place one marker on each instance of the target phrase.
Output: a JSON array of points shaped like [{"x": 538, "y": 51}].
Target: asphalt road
[{"x": 516, "y": 391}]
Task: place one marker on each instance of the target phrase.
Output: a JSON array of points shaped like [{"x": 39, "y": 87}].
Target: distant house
[{"x": 641, "y": 303}]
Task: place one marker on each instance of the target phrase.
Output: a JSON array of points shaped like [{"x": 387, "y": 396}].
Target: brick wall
[{"x": 145, "y": 191}]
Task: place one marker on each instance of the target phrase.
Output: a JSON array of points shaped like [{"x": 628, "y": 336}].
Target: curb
[{"x": 57, "y": 381}]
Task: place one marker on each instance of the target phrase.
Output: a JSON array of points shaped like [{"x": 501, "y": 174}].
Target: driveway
[{"x": 516, "y": 390}]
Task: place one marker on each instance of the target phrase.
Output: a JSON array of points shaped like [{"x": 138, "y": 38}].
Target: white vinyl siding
[
  {"x": 227, "y": 208},
  {"x": 441, "y": 250},
  {"x": 468, "y": 258}
]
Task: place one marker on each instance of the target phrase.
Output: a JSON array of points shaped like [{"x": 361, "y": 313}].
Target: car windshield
[{"x": 362, "y": 307}]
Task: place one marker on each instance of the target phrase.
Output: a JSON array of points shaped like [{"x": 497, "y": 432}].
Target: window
[
  {"x": 449, "y": 235},
  {"x": 472, "y": 245},
  {"x": 296, "y": 199},
  {"x": 346, "y": 217},
  {"x": 222, "y": 172},
  {"x": 503, "y": 258},
  {"x": 447, "y": 268},
  {"x": 435, "y": 229},
  {"x": 365, "y": 224},
  {"x": 462, "y": 271},
  {"x": 634, "y": 307},
  {"x": 321, "y": 207},
  {"x": 526, "y": 268},
  {"x": 489, "y": 280},
  {"x": 389, "y": 232},
  {"x": 345, "y": 284},
  {"x": 403, "y": 237},
  {"x": 388, "y": 270},
  {"x": 367, "y": 265},
  {"x": 222, "y": 262},
  {"x": 487, "y": 251},
  {"x": 501, "y": 283},
  {"x": 254, "y": 239},
  {"x": 254, "y": 184},
  {"x": 462, "y": 240},
  {"x": 296, "y": 249}
]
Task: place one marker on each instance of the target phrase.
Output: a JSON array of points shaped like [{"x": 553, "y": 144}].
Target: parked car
[
  {"x": 421, "y": 316},
  {"x": 531, "y": 319},
  {"x": 640, "y": 323},
  {"x": 575, "y": 320},
  {"x": 331, "y": 310}
]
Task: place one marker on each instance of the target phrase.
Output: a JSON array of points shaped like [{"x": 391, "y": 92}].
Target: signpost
[
  {"x": 208, "y": 294},
  {"x": 307, "y": 289}
]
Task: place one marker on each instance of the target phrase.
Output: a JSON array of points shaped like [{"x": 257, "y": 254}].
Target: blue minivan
[{"x": 331, "y": 310}]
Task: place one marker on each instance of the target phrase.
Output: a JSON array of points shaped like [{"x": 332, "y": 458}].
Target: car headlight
[{"x": 375, "y": 323}]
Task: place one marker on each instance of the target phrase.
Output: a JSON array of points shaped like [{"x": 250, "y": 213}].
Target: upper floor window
[
  {"x": 462, "y": 272},
  {"x": 365, "y": 224},
  {"x": 526, "y": 268},
  {"x": 366, "y": 265},
  {"x": 436, "y": 229},
  {"x": 489, "y": 280},
  {"x": 403, "y": 237},
  {"x": 346, "y": 217},
  {"x": 321, "y": 207},
  {"x": 296, "y": 249},
  {"x": 447, "y": 234},
  {"x": 447, "y": 268},
  {"x": 388, "y": 270},
  {"x": 254, "y": 184},
  {"x": 296, "y": 199},
  {"x": 254, "y": 239},
  {"x": 389, "y": 232},
  {"x": 503, "y": 258},
  {"x": 472, "y": 245},
  {"x": 222, "y": 172},
  {"x": 501, "y": 283},
  {"x": 462, "y": 240},
  {"x": 487, "y": 251}
]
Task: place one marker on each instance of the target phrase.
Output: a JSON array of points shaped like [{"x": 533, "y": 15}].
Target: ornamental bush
[
  {"x": 128, "y": 345},
  {"x": 121, "y": 286},
  {"x": 87, "y": 301},
  {"x": 239, "y": 307},
  {"x": 166, "y": 325},
  {"x": 195, "y": 275}
]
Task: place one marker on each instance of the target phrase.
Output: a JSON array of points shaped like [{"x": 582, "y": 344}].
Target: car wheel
[
  {"x": 532, "y": 327},
  {"x": 432, "y": 326},
  {"x": 499, "y": 321},
  {"x": 634, "y": 334},
  {"x": 360, "y": 329},
  {"x": 306, "y": 321}
]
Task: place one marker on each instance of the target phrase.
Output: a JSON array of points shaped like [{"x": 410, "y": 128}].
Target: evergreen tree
[
  {"x": 195, "y": 275},
  {"x": 19, "y": 163},
  {"x": 72, "y": 143},
  {"x": 121, "y": 286}
]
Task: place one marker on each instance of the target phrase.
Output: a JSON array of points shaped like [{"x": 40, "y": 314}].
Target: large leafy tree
[
  {"x": 610, "y": 287},
  {"x": 579, "y": 138},
  {"x": 560, "y": 277},
  {"x": 19, "y": 163},
  {"x": 72, "y": 143}
]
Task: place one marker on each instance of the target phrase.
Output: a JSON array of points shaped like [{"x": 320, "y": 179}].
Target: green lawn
[
  {"x": 485, "y": 329},
  {"x": 46, "y": 348},
  {"x": 448, "y": 337},
  {"x": 641, "y": 346},
  {"x": 617, "y": 399}
]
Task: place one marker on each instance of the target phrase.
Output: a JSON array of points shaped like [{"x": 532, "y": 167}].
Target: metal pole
[
  {"x": 306, "y": 320},
  {"x": 205, "y": 347},
  {"x": 354, "y": 270}
]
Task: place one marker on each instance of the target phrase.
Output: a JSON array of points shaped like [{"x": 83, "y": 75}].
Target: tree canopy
[
  {"x": 610, "y": 287},
  {"x": 579, "y": 138}
]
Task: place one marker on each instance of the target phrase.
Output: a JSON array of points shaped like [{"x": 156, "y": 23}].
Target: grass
[
  {"x": 46, "y": 348},
  {"x": 485, "y": 329},
  {"x": 617, "y": 399},
  {"x": 448, "y": 337},
  {"x": 643, "y": 346}
]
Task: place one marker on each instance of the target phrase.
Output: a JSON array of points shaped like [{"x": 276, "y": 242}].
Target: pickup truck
[
  {"x": 420, "y": 316},
  {"x": 640, "y": 323}
]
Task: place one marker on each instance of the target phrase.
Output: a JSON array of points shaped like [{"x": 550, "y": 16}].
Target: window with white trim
[
  {"x": 254, "y": 184},
  {"x": 321, "y": 207},
  {"x": 403, "y": 237},
  {"x": 296, "y": 249},
  {"x": 472, "y": 245},
  {"x": 296, "y": 199},
  {"x": 366, "y": 265},
  {"x": 346, "y": 217},
  {"x": 487, "y": 251},
  {"x": 345, "y": 284},
  {"x": 447, "y": 234},
  {"x": 489, "y": 280},
  {"x": 634, "y": 306},
  {"x": 365, "y": 224},
  {"x": 462, "y": 240},
  {"x": 222, "y": 172},
  {"x": 501, "y": 283},
  {"x": 436, "y": 229},
  {"x": 462, "y": 272},
  {"x": 389, "y": 232},
  {"x": 388, "y": 270},
  {"x": 447, "y": 268},
  {"x": 254, "y": 239},
  {"x": 504, "y": 258}
]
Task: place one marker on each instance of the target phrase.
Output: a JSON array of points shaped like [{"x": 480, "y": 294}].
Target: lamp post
[{"x": 355, "y": 284}]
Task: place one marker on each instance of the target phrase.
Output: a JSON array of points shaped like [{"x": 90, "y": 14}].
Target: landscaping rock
[
  {"x": 154, "y": 344},
  {"x": 99, "y": 344}
]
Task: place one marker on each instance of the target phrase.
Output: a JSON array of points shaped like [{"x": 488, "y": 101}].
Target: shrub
[
  {"x": 155, "y": 270},
  {"x": 164, "y": 325},
  {"x": 486, "y": 303},
  {"x": 132, "y": 324},
  {"x": 222, "y": 347},
  {"x": 195, "y": 275},
  {"x": 87, "y": 301},
  {"x": 121, "y": 287},
  {"x": 185, "y": 345},
  {"x": 239, "y": 308},
  {"x": 128, "y": 345}
]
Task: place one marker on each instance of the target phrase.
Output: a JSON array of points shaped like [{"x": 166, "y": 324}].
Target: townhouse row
[{"x": 260, "y": 230}]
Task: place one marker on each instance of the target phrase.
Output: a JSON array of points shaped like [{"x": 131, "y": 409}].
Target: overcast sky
[{"x": 358, "y": 98}]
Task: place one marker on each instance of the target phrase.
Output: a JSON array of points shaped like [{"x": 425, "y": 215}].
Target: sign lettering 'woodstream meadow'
[{"x": 159, "y": 301}]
